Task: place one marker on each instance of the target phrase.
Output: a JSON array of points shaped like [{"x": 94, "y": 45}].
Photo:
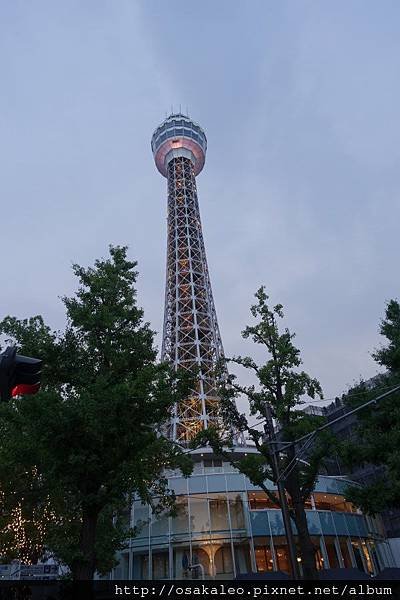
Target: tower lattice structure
[{"x": 191, "y": 337}]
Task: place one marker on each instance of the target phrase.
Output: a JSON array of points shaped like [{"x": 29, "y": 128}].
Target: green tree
[
  {"x": 281, "y": 385},
  {"x": 389, "y": 356},
  {"x": 91, "y": 438},
  {"x": 377, "y": 435}
]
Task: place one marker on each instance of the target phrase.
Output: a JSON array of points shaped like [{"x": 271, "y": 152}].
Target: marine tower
[{"x": 191, "y": 336}]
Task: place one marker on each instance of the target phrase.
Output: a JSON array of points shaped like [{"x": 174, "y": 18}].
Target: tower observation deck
[{"x": 191, "y": 336}]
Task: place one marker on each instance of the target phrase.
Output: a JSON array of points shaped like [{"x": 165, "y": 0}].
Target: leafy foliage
[
  {"x": 377, "y": 438},
  {"x": 92, "y": 434},
  {"x": 281, "y": 387},
  {"x": 389, "y": 355}
]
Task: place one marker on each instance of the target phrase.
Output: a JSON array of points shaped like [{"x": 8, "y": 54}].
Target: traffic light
[{"x": 19, "y": 375}]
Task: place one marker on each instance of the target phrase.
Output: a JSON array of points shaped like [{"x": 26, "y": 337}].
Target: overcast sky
[{"x": 300, "y": 191}]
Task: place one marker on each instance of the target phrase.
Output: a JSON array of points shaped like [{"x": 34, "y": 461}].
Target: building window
[
  {"x": 180, "y": 522},
  {"x": 219, "y": 513},
  {"x": 200, "y": 556},
  {"x": 236, "y": 511},
  {"x": 179, "y": 552},
  {"x": 144, "y": 566},
  {"x": 160, "y": 565},
  {"x": 141, "y": 519},
  {"x": 331, "y": 552},
  {"x": 358, "y": 555},
  {"x": 260, "y": 501},
  {"x": 367, "y": 556},
  {"x": 223, "y": 561},
  {"x": 319, "y": 559},
  {"x": 333, "y": 502},
  {"x": 264, "y": 560},
  {"x": 213, "y": 465},
  {"x": 199, "y": 518},
  {"x": 242, "y": 557},
  {"x": 344, "y": 551},
  {"x": 281, "y": 555}
]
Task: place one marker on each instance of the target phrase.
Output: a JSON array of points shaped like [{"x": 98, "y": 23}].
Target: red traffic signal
[
  {"x": 24, "y": 389},
  {"x": 19, "y": 375}
]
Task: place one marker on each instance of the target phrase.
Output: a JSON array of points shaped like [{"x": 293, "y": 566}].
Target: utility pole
[{"x": 271, "y": 437}]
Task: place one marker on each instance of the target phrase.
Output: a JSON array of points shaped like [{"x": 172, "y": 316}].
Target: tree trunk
[
  {"x": 306, "y": 546},
  {"x": 83, "y": 568}
]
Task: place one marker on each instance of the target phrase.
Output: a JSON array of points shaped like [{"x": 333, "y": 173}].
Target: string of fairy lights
[{"x": 22, "y": 535}]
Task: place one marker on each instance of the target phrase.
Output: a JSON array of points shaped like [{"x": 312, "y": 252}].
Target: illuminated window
[
  {"x": 281, "y": 554},
  {"x": 260, "y": 501},
  {"x": 368, "y": 556},
  {"x": 333, "y": 502},
  {"x": 264, "y": 560},
  {"x": 344, "y": 551},
  {"x": 358, "y": 554}
]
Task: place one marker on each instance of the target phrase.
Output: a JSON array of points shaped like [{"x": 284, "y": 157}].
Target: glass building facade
[{"x": 230, "y": 527}]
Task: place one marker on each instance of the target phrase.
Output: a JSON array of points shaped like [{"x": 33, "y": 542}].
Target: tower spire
[{"x": 191, "y": 337}]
